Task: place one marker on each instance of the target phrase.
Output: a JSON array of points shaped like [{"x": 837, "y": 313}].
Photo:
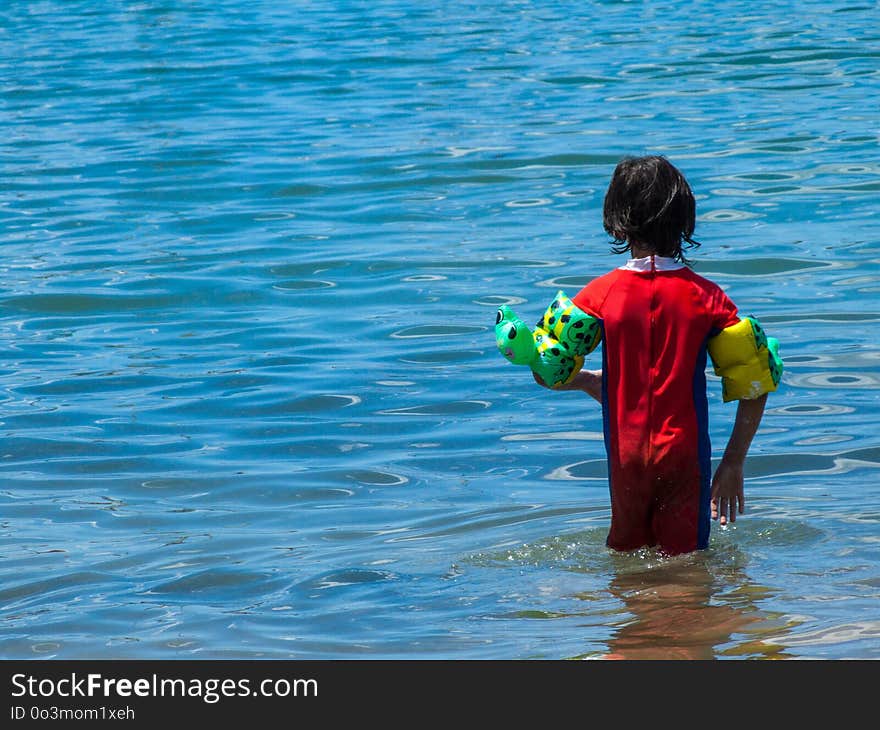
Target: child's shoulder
[
  {"x": 591, "y": 297},
  {"x": 700, "y": 281}
]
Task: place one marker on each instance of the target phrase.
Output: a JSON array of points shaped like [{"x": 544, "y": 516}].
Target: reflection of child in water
[
  {"x": 656, "y": 316},
  {"x": 676, "y": 614}
]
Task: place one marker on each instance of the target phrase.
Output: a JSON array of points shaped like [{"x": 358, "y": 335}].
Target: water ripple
[{"x": 250, "y": 401}]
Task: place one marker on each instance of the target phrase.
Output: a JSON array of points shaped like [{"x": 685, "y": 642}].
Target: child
[{"x": 657, "y": 316}]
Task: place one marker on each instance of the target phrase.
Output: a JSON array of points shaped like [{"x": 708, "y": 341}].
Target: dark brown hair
[{"x": 650, "y": 203}]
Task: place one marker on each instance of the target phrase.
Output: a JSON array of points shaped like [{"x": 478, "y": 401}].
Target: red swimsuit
[{"x": 656, "y": 317}]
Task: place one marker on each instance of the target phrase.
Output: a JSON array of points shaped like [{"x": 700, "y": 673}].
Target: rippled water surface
[{"x": 250, "y": 400}]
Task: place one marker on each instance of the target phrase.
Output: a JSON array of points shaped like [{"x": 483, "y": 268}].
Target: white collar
[{"x": 661, "y": 263}]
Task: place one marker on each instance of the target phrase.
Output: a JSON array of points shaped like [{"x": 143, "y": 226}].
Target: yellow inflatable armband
[{"x": 746, "y": 359}]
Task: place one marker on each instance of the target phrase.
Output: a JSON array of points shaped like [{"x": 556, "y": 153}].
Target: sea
[{"x": 251, "y": 404}]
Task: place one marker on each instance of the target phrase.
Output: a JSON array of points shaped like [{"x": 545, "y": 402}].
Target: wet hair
[{"x": 649, "y": 203}]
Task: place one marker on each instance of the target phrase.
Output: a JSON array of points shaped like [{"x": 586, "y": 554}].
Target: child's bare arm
[
  {"x": 728, "y": 496},
  {"x": 589, "y": 381}
]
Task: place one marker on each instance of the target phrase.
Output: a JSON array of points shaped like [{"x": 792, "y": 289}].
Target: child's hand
[
  {"x": 728, "y": 496},
  {"x": 589, "y": 381}
]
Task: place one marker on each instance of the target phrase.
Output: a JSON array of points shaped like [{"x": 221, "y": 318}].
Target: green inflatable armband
[
  {"x": 556, "y": 349},
  {"x": 746, "y": 359}
]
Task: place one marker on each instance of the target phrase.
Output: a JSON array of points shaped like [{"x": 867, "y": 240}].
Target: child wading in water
[{"x": 657, "y": 316}]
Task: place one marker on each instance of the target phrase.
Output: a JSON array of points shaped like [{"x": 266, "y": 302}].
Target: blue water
[{"x": 250, "y": 400}]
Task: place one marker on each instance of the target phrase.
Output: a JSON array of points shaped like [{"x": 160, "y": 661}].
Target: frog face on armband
[
  {"x": 555, "y": 350},
  {"x": 513, "y": 337}
]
